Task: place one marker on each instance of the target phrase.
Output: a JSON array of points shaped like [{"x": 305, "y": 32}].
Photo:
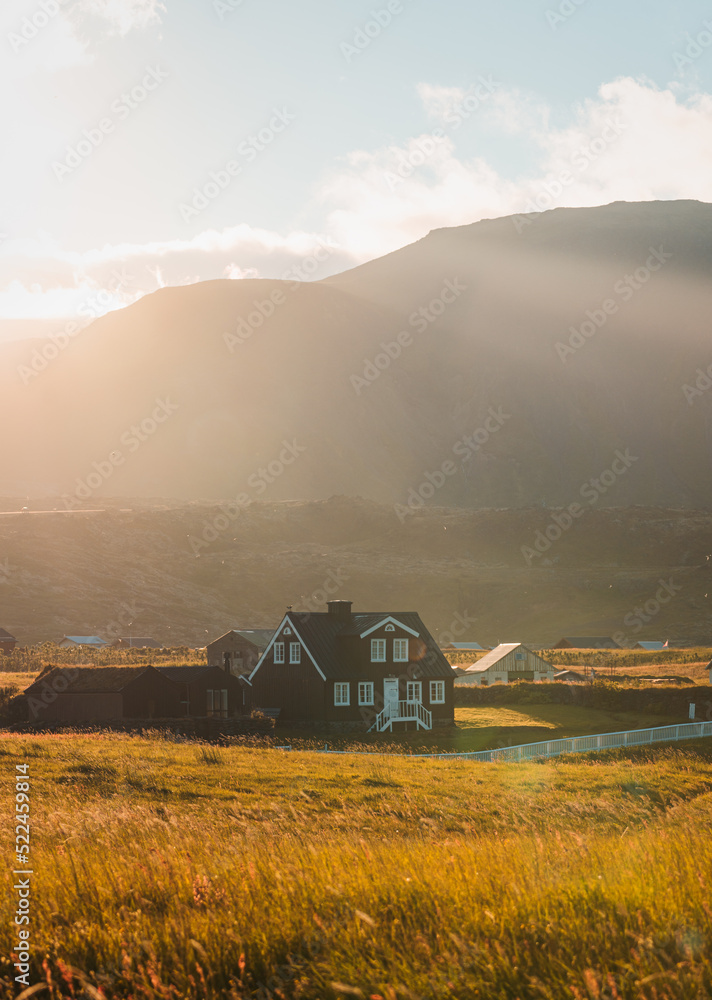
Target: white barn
[{"x": 510, "y": 661}]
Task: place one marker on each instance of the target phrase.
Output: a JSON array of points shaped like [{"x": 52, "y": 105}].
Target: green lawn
[{"x": 484, "y": 728}]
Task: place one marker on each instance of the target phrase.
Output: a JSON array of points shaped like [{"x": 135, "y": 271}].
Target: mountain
[{"x": 542, "y": 360}]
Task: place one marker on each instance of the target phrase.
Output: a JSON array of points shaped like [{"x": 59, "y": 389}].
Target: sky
[{"x": 162, "y": 142}]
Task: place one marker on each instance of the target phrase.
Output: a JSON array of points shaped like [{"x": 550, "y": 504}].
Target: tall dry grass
[{"x": 168, "y": 871}]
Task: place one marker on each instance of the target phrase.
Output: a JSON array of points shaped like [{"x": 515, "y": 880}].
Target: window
[
  {"x": 342, "y": 694},
  {"x": 437, "y": 692},
  {"x": 378, "y": 650},
  {"x": 415, "y": 691},
  {"x": 295, "y": 652},
  {"x": 519, "y": 656},
  {"x": 279, "y": 652},
  {"x": 365, "y": 692},
  {"x": 217, "y": 703},
  {"x": 400, "y": 650}
]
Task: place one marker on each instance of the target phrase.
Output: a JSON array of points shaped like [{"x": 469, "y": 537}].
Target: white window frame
[
  {"x": 378, "y": 650},
  {"x": 295, "y": 652},
  {"x": 279, "y": 652},
  {"x": 437, "y": 688},
  {"x": 342, "y": 694},
  {"x": 414, "y": 687},
  {"x": 365, "y": 692},
  {"x": 400, "y": 650}
]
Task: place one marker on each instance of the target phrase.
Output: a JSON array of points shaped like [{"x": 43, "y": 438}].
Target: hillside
[
  {"x": 181, "y": 574},
  {"x": 478, "y": 398}
]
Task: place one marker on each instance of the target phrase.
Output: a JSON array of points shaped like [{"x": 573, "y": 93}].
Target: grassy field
[
  {"x": 15, "y": 681},
  {"x": 31, "y": 659},
  {"x": 166, "y": 870}
]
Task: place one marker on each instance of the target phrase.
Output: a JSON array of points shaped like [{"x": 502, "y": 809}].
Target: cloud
[
  {"x": 45, "y": 280},
  {"x": 438, "y": 101},
  {"x": 632, "y": 142},
  {"x": 54, "y": 47},
  {"x": 122, "y": 16},
  {"x": 62, "y": 34}
]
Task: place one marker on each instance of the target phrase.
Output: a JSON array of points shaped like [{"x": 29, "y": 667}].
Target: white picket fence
[
  {"x": 552, "y": 748},
  {"x": 583, "y": 744}
]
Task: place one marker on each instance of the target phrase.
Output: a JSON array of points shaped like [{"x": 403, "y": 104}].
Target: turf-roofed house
[{"x": 379, "y": 671}]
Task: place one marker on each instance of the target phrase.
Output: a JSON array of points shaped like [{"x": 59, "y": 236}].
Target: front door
[{"x": 390, "y": 695}]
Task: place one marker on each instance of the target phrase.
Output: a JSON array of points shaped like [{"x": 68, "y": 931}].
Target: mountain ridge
[{"x": 249, "y": 365}]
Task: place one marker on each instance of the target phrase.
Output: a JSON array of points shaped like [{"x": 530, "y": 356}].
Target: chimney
[{"x": 342, "y": 609}]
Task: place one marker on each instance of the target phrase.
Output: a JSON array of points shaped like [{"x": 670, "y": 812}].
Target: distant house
[
  {"x": 7, "y": 641},
  {"x": 135, "y": 642},
  {"x": 207, "y": 691},
  {"x": 102, "y": 694},
  {"x": 73, "y": 641},
  {"x": 239, "y": 650},
  {"x": 570, "y": 677},
  {"x": 586, "y": 642},
  {"x": 452, "y": 647},
  {"x": 652, "y": 647},
  {"x": 508, "y": 662},
  {"x": 349, "y": 670}
]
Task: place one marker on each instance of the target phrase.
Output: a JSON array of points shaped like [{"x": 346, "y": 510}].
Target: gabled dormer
[{"x": 390, "y": 642}]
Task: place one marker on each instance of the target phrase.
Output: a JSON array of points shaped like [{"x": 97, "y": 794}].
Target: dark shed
[
  {"x": 207, "y": 691},
  {"x": 102, "y": 694}
]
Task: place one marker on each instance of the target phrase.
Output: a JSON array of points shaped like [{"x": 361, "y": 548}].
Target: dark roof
[
  {"x": 321, "y": 631},
  {"x": 94, "y": 680},
  {"x": 463, "y": 645},
  {"x": 651, "y": 646},
  {"x": 260, "y": 637},
  {"x": 185, "y": 675},
  {"x": 589, "y": 642},
  {"x": 4, "y": 634},
  {"x": 138, "y": 641},
  {"x": 568, "y": 675}
]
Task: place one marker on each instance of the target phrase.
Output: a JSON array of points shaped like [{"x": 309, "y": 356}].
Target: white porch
[{"x": 403, "y": 711}]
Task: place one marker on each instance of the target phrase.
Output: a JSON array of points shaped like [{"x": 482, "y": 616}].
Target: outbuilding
[
  {"x": 102, "y": 694},
  {"x": 207, "y": 691},
  {"x": 7, "y": 641},
  {"x": 586, "y": 642},
  {"x": 239, "y": 649},
  {"x": 75, "y": 641},
  {"x": 510, "y": 661}
]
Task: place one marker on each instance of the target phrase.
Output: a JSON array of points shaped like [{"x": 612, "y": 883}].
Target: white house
[{"x": 510, "y": 661}]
